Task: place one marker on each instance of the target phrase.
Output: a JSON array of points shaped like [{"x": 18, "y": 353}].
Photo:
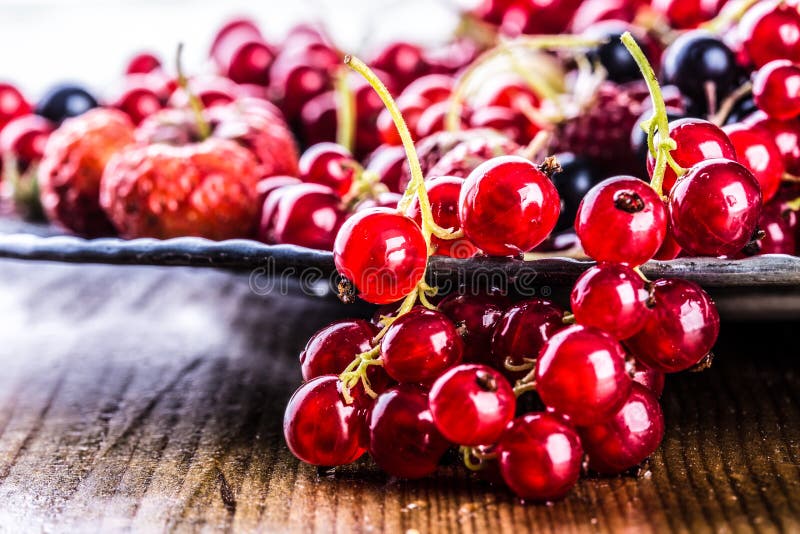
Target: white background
[{"x": 46, "y": 41}]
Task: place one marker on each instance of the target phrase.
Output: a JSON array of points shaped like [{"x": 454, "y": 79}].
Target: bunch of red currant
[{"x": 423, "y": 378}]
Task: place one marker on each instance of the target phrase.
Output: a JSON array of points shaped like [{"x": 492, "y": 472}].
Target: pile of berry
[{"x": 532, "y": 394}]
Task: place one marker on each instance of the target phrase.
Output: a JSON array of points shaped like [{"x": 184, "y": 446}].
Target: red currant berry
[
  {"x": 779, "y": 224},
  {"x": 510, "y": 123},
  {"x": 138, "y": 102},
  {"x": 581, "y": 373},
  {"x": 786, "y": 135},
  {"x": 771, "y": 30},
  {"x": 319, "y": 428},
  {"x": 383, "y": 254},
  {"x": 247, "y": 63},
  {"x": 307, "y": 215},
  {"x": 403, "y": 440},
  {"x": 403, "y": 62},
  {"x": 387, "y": 162},
  {"x": 523, "y": 330},
  {"x": 648, "y": 377},
  {"x": 629, "y": 437},
  {"x": 25, "y": 138},
  {"x": 433, "y": 87},
  {"x": 476, "y": 317},
  {"x": 681, "y": 329},
  {"x": 508, "y": 206},
  {"x": 12, "y": 104},
  {"x": 757, "y": 151},
  {"x": 420, "y": 345},
  {"x": 611, "y": 297},
  {"x": 687, "y": 14},
  {"x": 670, "y": 249},
  {"x": 443, "y": 193},
  {"x": 714, "y": 208},
  {"x": 621, "y": 220},
  {"x": 267, "y": 186},
  {"x": 472, "y": 404},
  {"x": 540, "y": 456},
  {"x": 776, "y": 89},
  {"x": 331, "y": 349},
  {"x": 143, "y": 63},
  {"x": 432, "y": 120},
  {"x": 697, "y": 140},
  {"x": 328, "y": 164},
  {"x": 411, "y": 107}
]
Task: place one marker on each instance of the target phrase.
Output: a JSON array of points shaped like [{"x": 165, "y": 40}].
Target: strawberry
[{"x": 75, "y": 157}]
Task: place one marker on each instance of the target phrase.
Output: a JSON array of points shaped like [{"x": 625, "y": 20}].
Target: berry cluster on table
[{"x": 623, "y": 131}]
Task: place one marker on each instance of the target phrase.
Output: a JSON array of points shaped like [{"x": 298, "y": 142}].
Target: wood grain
[{"x": 151, "y": 399}]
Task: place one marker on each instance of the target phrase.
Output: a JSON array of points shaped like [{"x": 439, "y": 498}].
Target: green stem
[
  {"x": 665, "y": 143},
  {"x": 203, "y": 128},
  {"x": 345, "y": 111}
]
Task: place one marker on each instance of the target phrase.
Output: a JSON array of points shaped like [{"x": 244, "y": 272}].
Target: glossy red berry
[
  {"x": 332, "y": 348},
  {"x": 756, "y": 150},
  {"x": 681, "y": 329},
  {"x": 387, "y": 162},
  {"x": 621, "y": 220},
  {"x": 687, "y": 14},
  {"x": 648, "y": 377},
  {"x": 411, "y": 107},
  {"x": 138, "y": 102},
  {"x": 328, "y": 164},
  {"x": 307, "y": 215},
  {"x": 523, "y": 330},
  {"x": 670, "y": 249},
  {"x": 475, "y": 317},
  {"x": 382, "y": 253},
  {"x": 508, "y": 206},
  {"x": 472, "y": 404},
  {"x": 12, "y": 104},
  {"x": 697, "y": 140},
  {"x": 714, "y": 208},
  {"x": 629, "y": 437},
  {"x": 403, "y": 440},
  {"x": 319, "y": 428},
  {"x": 540, "y": 457},
  {"x": 780, "y": 227},
  {"x": 581, "y": 373},
  {"x": 25, "y": 138},
  {"x": 776, "y": 89},
  {"x": 443, "y": 194},
  {"x": 786, "y": 135},
  {"x": 143, "y": 63},
  {"x": 420, "y": 346},
  {"x": 611, "y": 297},
  {"x": 771, "y": 30},
  {"x": 403, "y": 62}
]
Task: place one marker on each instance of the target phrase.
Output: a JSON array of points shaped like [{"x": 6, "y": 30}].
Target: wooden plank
[{"x": 152, "y": 399}]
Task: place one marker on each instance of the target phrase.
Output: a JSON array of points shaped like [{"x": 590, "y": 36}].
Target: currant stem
[
  {"x": 345, "y": 110},
  {"x": 537, "y": 42},
  {"x": 728, "y": 17},
  {"x": 659, "y": 119},
  {"x": 203, "y": 128}
]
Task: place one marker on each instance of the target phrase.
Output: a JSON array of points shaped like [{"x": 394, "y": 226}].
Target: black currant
[
  {"x": 576, "y": 177},
  {"x": 65, "y": 100}
]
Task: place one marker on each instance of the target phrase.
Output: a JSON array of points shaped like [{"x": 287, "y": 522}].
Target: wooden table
[{"x": 152, "y": 399}]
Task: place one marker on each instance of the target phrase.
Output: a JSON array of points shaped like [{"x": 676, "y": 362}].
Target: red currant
[
  {"x": 757, "y": 151},
  {"x": 714, "y": 208},
  {"x": 307, "y": 215},
  {"x": 25, "y": 138},
  {"x": 331, "y": 349},
  {"x": 786, "y": 135},
  {"x": 403, "y": 440},
  {"x": 387, "y": 161},
  {"x": 697, "y": 140},
  {"x": 476, "y": 317},
  {"x": 382, "y": 252},
  {"x": 686, "y": 14},
  {"x": 649, "y": 378},
  {"x": 681, "y": 329},
  {"x": 621, "y": 220},
  {"x": 143, "y": 63},
  {"x": 771, "y": 30},
  {"x": 540, "y": 456},
  {"x": 472, "y": 404},
  {"x": 411, "y": 107},
  {"x": 432, "y": 87},
  {"x": 670, "y": 249},
  {"x": 319, "y": 428},
  {"x": 12, "y": 104},
  {"x": 443, "y": 193},
  {"x": 328, "y": 164},
  {"x": 523, "y": 330},
  {"x": 138, "y": 102},
  {"x": 508, "y": 206},
  {"x": 780, "y": 228},
  {"x": 776, "y": 89},
  {"x": 581, "y": 373},
  {"x": 628, "y": 438},
  {"x": 403, "y": 62},
  {"x": 420, "y": 345},
  {"x": 611, "y": 297}
]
